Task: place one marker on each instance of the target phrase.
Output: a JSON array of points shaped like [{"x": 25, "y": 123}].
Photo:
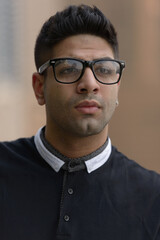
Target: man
[{"x": 69, "y": 182}]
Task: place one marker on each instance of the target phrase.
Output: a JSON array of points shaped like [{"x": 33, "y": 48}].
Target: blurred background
[{"x": 135, "y": 127}]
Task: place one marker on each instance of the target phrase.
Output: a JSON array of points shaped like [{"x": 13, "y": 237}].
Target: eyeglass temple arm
[
  {"x": 44, "y": 67},
  {"x": 122, "y": 64}
]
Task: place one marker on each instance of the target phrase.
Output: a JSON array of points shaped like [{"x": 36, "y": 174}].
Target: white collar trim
[
  {"x": 100, "y": 159},
  {"x": 56, "y": 163},
  {"x": 51, "y": 159}
]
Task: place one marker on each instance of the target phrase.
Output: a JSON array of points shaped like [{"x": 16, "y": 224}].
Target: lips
[{"x": 88, "y": 107}]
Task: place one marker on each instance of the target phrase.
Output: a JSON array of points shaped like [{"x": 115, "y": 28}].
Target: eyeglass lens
[{"x": 70, "y": 70}]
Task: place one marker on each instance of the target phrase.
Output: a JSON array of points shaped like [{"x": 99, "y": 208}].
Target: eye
[
  {"x": 101, "y": 70},
  {"x": 68, "y": 70},
  {"x": 105, "y": 68}
]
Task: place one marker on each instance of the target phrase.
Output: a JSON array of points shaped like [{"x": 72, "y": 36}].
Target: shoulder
[
  {"x": 20, "y": 156},
  {"x": 137, "y": 176},
  {"x": 16, "y": 146},
  {"x": 140, "y": 187},
  {"x": 130, "y": 165},
  {"x": 17, "y": 152}
]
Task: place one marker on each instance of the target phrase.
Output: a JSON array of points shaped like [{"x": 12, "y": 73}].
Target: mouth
[{"x": 88, "y": 107}]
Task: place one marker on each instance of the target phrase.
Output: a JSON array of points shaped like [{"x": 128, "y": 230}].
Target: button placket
[
  {"x": 66, "y": 221},
  {"x": 66, "y": 216},
  {"x": 69, "y": 191}
]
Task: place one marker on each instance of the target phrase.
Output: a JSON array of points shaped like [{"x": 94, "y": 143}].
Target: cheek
[
  {"x": 110, "y": 93},
  {"x": 58, "y": 96}
]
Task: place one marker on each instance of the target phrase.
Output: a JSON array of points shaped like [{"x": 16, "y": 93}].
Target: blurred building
[{"x": 134, "y": 128}]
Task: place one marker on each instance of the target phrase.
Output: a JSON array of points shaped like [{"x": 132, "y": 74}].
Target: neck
[{"x": 74, "y": 146}]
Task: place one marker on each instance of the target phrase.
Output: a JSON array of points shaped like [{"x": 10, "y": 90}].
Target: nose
[{"x": 88, "y": 83}]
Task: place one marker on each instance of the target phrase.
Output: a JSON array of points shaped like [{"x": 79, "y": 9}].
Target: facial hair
[{"x": 88, "y": 124}]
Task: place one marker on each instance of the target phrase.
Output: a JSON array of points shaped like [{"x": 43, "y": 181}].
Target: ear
[{"x": 38, "y": 87}]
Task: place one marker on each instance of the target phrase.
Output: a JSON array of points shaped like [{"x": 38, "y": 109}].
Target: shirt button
[
  {"x": 66, "y": 218},
  {"x": 70, "y": 191}
]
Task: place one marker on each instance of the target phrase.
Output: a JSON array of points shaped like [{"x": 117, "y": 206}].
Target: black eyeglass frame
[{"x": 85, "y": 64}]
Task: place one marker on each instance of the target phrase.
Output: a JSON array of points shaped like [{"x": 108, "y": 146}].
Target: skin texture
[{"x": 77, "y": 114}]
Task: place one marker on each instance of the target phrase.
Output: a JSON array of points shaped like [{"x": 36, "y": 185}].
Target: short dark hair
[{"x": 73, "y": 20}]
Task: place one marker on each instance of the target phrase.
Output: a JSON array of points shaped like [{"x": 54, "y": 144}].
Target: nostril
[
  {"x": 83, "y": 90},
  {"x": 95, "y": 90}
]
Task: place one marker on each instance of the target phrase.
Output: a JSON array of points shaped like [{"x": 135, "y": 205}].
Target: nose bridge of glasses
[{"x": 88, "y": 64}]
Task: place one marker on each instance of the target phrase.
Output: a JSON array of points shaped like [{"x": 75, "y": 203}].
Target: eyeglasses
[{"x": 69, "y": 70}]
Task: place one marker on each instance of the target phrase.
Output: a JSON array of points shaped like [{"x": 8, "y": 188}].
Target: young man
[{"x": 69, "y": 182}]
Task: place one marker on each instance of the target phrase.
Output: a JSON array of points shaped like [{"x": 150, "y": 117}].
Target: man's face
[{"x": 85, "y": 107}]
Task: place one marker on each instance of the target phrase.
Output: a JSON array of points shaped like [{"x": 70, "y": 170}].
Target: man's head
[
  {"x": 73, "y": 20},
  {"x": 77, "y": 49}
]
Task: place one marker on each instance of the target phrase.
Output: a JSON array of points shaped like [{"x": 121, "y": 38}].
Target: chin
[{"x": 90, "y": 131}]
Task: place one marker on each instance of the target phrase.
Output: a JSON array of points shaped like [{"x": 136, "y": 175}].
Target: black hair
[{"x": 73, "y": 20}]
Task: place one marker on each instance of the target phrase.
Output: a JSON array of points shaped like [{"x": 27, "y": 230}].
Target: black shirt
[{"x": 118, "y": 201}]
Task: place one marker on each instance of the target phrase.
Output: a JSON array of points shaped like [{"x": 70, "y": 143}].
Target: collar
[{"x": 57, "y": 161}]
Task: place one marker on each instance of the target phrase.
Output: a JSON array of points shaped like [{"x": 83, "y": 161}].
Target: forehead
[{"x": 83, "y": 46}]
